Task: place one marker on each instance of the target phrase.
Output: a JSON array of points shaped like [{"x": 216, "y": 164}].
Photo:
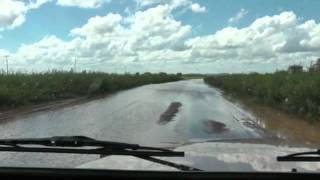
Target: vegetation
[
  {"x": 293, "y": 91},
  {"x": 295, "y": 69},
  {"x": 24, "y": 89},
  {"x": 315, "y": 66},
  {"x": 193, "y": 76}
]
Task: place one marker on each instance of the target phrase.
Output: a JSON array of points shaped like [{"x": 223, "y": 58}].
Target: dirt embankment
[
  {"x": 44, "y": 107},
  {"x": 294, "y": 129}
]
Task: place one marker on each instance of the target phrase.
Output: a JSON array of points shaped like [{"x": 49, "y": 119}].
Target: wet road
[{"x": 132, "y": 116}]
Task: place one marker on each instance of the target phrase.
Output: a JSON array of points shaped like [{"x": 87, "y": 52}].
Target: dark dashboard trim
[{"x": 55, "y": 173}]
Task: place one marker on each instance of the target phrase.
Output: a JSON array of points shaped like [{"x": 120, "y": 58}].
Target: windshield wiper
[
  {"x": 311, "y": 156},
  {"x": 86, "y": 145}
]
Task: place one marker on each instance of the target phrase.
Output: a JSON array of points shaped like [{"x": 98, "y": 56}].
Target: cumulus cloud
[
  {"x": 50, "y": 50},
  {"x": 241, "y": 14},
  {"x": 281, "y": 39},
  {"x": 153, "y": 38},
  {"x": 13, "y": 12},
  {"x": 98, "y": 26},
  {"x": 148, "y": 2},
  {"x": 151, "y": 29},
  {"x": 82, "y": 3},
  {"x": 174, "y": 4},
  {"x": 155, "y": 28},
  {"x": 197, "y": 8},
  {"x": 152, "y": 33}
]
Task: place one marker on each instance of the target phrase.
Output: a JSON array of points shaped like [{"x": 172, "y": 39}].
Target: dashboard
[{"x": 53, "y": 173}]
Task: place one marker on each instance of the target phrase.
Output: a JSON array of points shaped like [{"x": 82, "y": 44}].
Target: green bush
[
  {"x": 24, "y": 89},
  {"x": 297, "y": 93}
]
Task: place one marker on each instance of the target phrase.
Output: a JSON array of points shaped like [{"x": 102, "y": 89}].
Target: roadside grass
[
  {"x": 296, "y": 93},
  {"x": 28, "y": 89}
]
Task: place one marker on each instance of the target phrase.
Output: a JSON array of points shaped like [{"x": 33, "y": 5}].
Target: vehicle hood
[{"x": 235, "y": 157}]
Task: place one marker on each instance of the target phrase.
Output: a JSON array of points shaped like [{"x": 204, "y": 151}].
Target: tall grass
[
  {"x": 24, "y": 89},
  {"x": 297, "y": 93}
]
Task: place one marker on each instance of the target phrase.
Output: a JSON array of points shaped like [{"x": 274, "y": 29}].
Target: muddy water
[
  {"x": 194, "y": 112},
  {"x": 297, "y": 131},
  {"x": 133, "y": 116}
]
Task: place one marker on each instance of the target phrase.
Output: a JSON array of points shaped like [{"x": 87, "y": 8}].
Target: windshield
[{"x": 232, "y": 84}]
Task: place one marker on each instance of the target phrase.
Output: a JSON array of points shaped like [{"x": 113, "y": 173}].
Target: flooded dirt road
[{"x": 189, "y": 111}]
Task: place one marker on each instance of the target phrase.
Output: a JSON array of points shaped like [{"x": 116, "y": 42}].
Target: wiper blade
[
  {"x": 76, "y": 145},
  {"x": 312, "y": 156},
  {"x": 74, "y": 141},
  {"x": 86, "y": 145}
]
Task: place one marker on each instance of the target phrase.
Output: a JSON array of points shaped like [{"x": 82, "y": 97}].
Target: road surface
[{"x": 133, "y": 116}]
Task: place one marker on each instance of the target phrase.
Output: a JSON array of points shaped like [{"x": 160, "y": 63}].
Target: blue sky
[{"x": 50, "y": 19}]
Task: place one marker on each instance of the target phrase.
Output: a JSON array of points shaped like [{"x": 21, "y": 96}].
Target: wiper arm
[
  {"x": 74, "y": 141},
  {"x": 312, "y": 156},
  {"x": 86, "y": 145},
  {"x": 58, "y": 144}
]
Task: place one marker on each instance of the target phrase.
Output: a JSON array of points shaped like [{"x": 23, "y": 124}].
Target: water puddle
[
  {"x": 170, "y": 112},
  {"x": 213, "y": 127}
]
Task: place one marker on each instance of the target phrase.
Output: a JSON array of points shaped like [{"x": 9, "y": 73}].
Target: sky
[{"x": 189, "y": 36}]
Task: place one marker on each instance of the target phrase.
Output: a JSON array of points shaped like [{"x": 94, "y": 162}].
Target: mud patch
[
  {"x": 171, "y": 111},
  {"x": 24, "y": 111},
  {"x": 256, "y": 127},
  {"x": 213, "y": 127}
]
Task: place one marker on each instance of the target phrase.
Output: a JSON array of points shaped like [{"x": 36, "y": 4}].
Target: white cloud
[
  {"x": 279, "y": 40},
  {"x": 13, "y": 12},
  {"x": 98, "y": 26},
  {"x": 148, "y": 2},
  {"x": 82, "y": 3},
  {"x": 174, "y": 4},
  {"x": 197, "y": 8},
  {"x": 34, "y": 4},
  {"x": 49, "y": 50},
  {"x": 152, "y": 39},
  {"x": 155, "y": 28},
  {"x": 4, "y": 52},
  {"x": 312, "y": 30},
  {"x": 241, "y": 14},
  {"x": 152, "y": 33}
]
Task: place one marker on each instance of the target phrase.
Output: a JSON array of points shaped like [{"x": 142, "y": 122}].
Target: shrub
[
  {"x": 297, "y": 93},
  {"x": 23, "y": 89}
]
